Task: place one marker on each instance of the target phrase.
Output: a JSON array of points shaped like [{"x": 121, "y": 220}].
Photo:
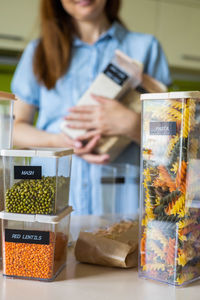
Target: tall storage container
[
  {"x": 170, "y": 189},
  {"x": 38, "y": 180},
  {"x": 35, "y": 246}
]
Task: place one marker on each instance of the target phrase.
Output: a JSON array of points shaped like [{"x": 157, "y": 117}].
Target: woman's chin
[
  {"x": 86, "y": 15},
  {"x": 86, "y": 10}
]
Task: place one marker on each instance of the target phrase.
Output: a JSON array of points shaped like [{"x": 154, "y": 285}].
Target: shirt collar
[{"x": 116, "y": 31}]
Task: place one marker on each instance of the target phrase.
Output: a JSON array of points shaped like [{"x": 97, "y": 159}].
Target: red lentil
[{"x": 30, "y": 260}]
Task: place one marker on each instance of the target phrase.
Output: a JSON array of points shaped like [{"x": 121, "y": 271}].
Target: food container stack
[
  {"x": 35, "y": 246},
  {"x": 170, "y": 190},
  {"x": 36, "y": 214},
  {"x": 6, "y": 130}
]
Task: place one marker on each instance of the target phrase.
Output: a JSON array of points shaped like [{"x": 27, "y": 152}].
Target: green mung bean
[{"x": 35, "y": 196}]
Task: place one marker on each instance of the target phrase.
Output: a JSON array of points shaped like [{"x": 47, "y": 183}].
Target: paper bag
[
  {"x": 114, "y": 145},
  {"x": 114, "y": 247}
]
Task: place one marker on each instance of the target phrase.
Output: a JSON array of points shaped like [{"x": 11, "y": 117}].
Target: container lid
[
  {"x": 39, "y": 152},
  {"x": 7, "y": 96},
  {"x": 36, "y": 218},
  {"x": 171, "y": 95}
]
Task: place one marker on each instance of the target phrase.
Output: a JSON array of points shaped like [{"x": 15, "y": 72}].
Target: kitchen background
[{"x": 176, "y": 24}]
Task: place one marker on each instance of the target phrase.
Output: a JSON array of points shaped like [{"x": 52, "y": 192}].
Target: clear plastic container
[
  {"x": 6, "y": 131},
  {"x": 102, "y": 207},
  {"x": 6, "y": 119},
  {"x": 38, "y": 180},
  {"x": 170, "y": 193},
  {"x": 115, "y": 198},
  {"x": 35, "y": 246},
  {"x": 119, "y": 190},
  {"x": 104, "y": 203},
  {"x": 126, "y": 190}
]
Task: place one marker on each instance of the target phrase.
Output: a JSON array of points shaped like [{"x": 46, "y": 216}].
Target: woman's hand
[
  {"x": 84, "y": 151},
  {"x": 110, "y": 117},
  {"x": 62, "y": 140},
  {"x": 25, "y": 135},
  {"x": 99, "y": 159}
]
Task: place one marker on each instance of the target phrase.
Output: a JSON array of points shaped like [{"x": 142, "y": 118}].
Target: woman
[{"x": 78, "y": 39}]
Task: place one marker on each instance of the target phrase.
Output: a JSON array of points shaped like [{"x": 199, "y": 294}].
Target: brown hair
[{"x": 53, "y": 52}]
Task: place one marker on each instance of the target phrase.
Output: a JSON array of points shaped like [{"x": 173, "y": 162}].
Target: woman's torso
[{"x": 86, "y": 63}]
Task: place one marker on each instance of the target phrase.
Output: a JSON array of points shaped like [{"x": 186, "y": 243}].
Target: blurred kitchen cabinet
[
  {"x": 18, "y": 23},
  {"x": 179, "y": 32},
  {"x": 140, "y": 15},
  {"x": 184, "y": 2}
]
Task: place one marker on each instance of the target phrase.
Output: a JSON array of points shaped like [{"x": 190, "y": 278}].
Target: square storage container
[
  {"x": 6, "y": 119},
  {"x": 170, "y": 189},
  {"x": 35, "y": 246},
  {"x": 115, "y": 197},
  {"x": 38, "y": 180},
  {"x": 117, "y": 189},
  {"x": 126, "y": 190}
]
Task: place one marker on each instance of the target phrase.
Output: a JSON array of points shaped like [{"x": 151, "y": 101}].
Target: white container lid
[
  {"x": 7, "y": 96},
  {"x": 36, "y": 218},
  {"x": 37, "y": 152},
  {"x": 171, "y": 95}
]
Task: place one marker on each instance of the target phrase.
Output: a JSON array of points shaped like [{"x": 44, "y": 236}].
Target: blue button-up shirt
[{"x": 86, "y": 63}]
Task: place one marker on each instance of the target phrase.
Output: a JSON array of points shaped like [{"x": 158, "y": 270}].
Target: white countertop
[
  {"x": 88, "y": 282},
  {"x": 84, "y": 282}
]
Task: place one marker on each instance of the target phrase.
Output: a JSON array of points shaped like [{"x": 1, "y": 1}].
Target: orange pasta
[
  {"x": 167, "y": 178},
  {"x": 181, "y": 176},
  {"x": 170, "y": 252}
]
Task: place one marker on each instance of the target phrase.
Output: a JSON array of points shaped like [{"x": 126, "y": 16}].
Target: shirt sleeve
[
  {"x": 157, "y": 65},
  {"x": 24, "y": 83}
]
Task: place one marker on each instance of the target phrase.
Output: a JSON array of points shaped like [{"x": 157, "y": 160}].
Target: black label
[
  {"x": 27, "y": 236},
  {"x": 109, "y": 180},
  {"x": 115, "y": 74},
  {"x": 27, "y": 172},
  {"x": 163, "y": 128}
]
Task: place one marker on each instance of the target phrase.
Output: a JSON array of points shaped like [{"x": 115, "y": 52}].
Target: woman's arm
[
  {"x": 110, "y": 117},
  {"x": 26, "y": 135}
]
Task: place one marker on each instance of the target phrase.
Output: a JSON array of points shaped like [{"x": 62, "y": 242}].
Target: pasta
[
  {"x": 185, "y": 127},
  {"x": 174, "y": 168},
  {"x": 185, "y": 277},
  {"x": 172, "y": 143},
  {"x": 178, "y": 205},
  {"x": 154, "y": 247},
  {"x": 180, "y": 178},
  {"x": 157, "y": 266},
  {"x": 167, "y": 178},
  {"x": 177, "y": 104},
  {"x": 157, "y": 235},
  {"x": 182, "y": 260},
  {"x": 170, "y": 251}
]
